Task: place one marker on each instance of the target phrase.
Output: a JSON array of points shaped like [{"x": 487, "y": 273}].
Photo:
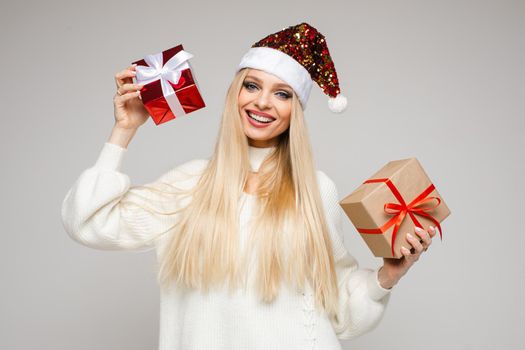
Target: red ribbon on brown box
[{"x": 401, "y": 209}]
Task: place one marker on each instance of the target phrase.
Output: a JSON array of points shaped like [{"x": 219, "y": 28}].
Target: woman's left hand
[{"x": 393, "y": 269}]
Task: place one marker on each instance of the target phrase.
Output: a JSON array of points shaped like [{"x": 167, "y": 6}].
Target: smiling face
[{"x": 265, "y": 106}]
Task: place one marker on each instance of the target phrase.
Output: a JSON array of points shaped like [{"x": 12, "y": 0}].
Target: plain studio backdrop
[{"x": 438, "y": 80}]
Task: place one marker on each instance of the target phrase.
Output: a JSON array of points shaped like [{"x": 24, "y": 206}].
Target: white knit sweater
[{"x": 93, "y": 215}]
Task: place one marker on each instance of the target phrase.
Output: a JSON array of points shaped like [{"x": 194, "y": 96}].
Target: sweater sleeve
[
  {"x": 103, "y": 211},
  {"x": 362, "y": 300}
]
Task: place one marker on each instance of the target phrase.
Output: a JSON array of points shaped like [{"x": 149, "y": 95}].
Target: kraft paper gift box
[
  {"x": 170, "y": 88},
  {"x": 391, "y": 203}
]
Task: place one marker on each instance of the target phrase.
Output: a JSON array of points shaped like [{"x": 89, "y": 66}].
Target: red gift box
[{"x": 170, "y": 88}]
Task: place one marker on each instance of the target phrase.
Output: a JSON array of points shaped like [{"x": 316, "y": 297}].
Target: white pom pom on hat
[
  {"x": 299, "y": 56},
  {"x": 337, "y": 104}
]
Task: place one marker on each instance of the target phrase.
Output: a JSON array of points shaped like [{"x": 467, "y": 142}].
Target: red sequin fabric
[{"x": 307, "y": 46}]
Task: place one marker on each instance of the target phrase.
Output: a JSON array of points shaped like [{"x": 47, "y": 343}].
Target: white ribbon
[{"x": 169, "y": 72}]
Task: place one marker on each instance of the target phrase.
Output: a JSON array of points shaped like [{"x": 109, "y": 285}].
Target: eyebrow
[{"x": 259, "y": 80}]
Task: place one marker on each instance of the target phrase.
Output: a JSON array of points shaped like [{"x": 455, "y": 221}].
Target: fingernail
[
  {"x": 409, "y": 235},
  {"x": 418, "y": 229},
  {"x": 134, "y": 64}
]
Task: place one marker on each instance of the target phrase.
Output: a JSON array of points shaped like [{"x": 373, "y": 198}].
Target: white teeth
[{"x": 259, "y": 118}]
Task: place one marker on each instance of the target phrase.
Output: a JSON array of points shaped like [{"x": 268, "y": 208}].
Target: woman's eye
[
  {"x": 249, "y": 86},
  {"x": 284, "y": 94}
]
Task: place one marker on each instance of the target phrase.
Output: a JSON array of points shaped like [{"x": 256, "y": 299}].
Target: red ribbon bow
[{"x": 401, "y": 209}]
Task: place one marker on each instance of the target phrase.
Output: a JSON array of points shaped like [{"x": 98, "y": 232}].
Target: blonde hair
[{"x": 289, "y": 235}]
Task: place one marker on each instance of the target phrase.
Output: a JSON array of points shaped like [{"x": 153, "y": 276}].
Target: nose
[{"x": 262, "y": 101}]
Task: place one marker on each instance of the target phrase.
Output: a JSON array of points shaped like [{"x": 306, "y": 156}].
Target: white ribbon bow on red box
[{"x": 169, "y": 72}]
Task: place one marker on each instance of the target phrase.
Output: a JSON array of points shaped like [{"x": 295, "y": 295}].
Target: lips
[
  {"x": 257, "y": 124},
  {"x": 262, "y": 114}
]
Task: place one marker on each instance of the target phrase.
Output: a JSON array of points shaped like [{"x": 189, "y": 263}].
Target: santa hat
[{"x": 298, "y": 55}]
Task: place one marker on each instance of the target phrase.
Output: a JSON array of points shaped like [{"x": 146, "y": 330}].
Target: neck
[{"x": 257, "y": 155}]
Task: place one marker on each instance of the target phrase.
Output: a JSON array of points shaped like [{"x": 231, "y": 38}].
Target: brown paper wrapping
[{"x": 365, "y": 206}]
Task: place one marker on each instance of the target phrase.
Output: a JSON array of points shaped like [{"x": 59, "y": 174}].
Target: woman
[{"x": 249, "y": 242}]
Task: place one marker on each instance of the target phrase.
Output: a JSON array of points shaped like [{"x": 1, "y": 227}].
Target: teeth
[{"x": 259, "y": 118}]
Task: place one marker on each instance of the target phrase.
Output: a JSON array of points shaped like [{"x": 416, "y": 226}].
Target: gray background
[{"x": 438, "y": 80}]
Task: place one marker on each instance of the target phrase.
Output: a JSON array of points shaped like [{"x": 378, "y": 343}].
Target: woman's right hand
[{"x": 128, "y": 108}]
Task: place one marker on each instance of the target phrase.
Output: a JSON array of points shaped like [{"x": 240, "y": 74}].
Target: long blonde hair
[{"x": 289, "y": 236}]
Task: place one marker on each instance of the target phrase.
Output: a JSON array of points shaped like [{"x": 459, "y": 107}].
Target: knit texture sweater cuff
[
  {"x": 375, "y": 290},
  {"x": 111, "y": 157}
]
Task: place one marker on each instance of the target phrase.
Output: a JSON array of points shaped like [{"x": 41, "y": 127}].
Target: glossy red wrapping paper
[{"x": 186, "y": 90}]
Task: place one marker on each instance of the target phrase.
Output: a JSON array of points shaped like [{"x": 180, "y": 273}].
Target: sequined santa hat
[{"x": 299, "y": 56}]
